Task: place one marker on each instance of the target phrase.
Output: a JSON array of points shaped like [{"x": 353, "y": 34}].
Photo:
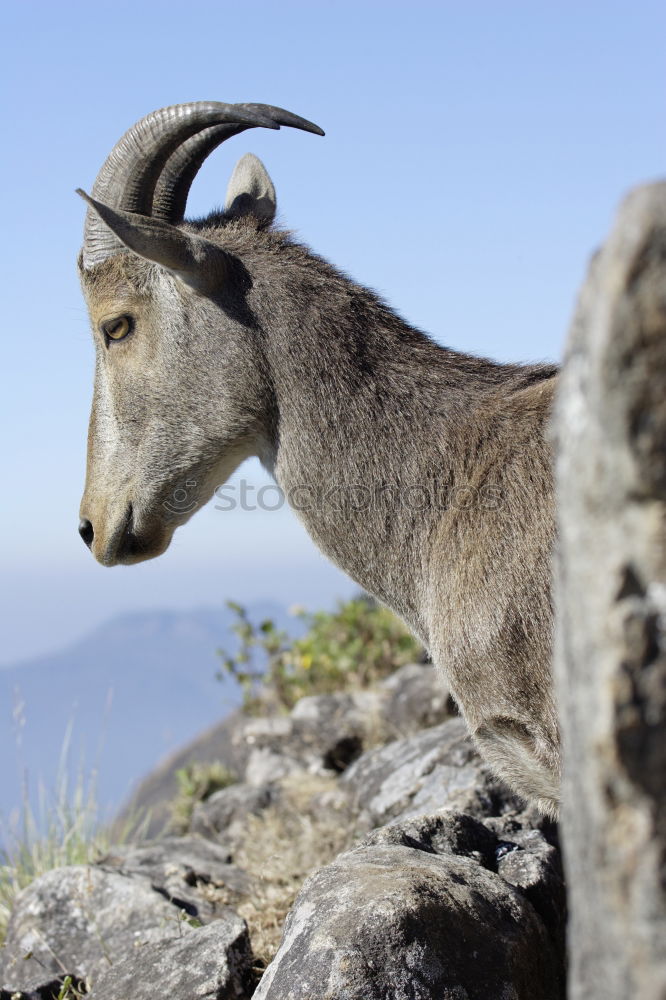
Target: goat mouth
[{"x": 130, "y": 545}]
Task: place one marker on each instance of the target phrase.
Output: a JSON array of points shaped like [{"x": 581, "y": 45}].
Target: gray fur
[{"x": 289, "y": 360}]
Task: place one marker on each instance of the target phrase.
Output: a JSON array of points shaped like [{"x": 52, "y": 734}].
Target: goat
[{"x": 423, "y": 472}]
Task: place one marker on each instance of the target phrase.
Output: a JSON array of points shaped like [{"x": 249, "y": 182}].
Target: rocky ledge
[{"x": 426, "y": 878}]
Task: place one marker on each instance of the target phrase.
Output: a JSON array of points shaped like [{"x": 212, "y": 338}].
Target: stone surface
[
  {"x": 224, "y": 814},
  {"x": 421, "y": 912},
  {"x": 265, "y": 766},
  {"x": 521, "y": 847},
  {"x": 323, "y": 732},
  {"x": 133, "y": 925},
  {"x": 192, "y": 873},
  {"x": 77, "y": 921},
  {"x": 611, "y": 642},
  {"x": 337, "y": 727},
  {"x": 212, "y": 963},
  {"x": 435, "y": 768},
  {"x": 415, "y": 698},
  {"x": 427, "y": 907}
]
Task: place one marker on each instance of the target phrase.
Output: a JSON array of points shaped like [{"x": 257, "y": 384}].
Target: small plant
[
  {"x": 70, "y": 990},
  {"x": 196, "y": 783},
  {"x": 350, "y": 648}
]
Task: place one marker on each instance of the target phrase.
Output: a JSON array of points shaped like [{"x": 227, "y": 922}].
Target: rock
[
  {"x": 338, "y": 726},
  {"x": 420, "y": 911},
  {"x": 521, "y": 847},
  {"x": 125, "y": 929},
  {"x": 611, "y": 637},
  {"x": 77, "y": 921},
  {"x": 322, "y": 733},
  {"x": 266, "y": 766},
  {"x": 435, "y": 768},
  {"x": 440, "y": 833},
  {"x": 192, "y": 873},
  {"x": 528, "y": 856},
  {"x": 224, "y": 814},
  {"x": 416, "y": 698},
  {"x": 212, "y": 963}
]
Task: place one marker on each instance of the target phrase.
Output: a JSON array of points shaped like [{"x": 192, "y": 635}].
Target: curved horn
[
  {"x": 151, "y": 169},
  {"x": 127, "y": 179},
  {"x": 175, "y": 181}
]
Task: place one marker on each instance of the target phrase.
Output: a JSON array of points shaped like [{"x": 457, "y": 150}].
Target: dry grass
[{"x": 285, "y": 844}]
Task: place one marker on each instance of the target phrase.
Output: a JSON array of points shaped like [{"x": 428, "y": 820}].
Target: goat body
[{"x": 423, "y": 472}]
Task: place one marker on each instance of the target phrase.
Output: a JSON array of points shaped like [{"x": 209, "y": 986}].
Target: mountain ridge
[{"x": 100, "y": 687}]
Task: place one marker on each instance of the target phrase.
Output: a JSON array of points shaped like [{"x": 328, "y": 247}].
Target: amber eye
[{"x": 116, "y": 328}]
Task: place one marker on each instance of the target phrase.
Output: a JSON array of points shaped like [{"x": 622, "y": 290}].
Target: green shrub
[
  {"x": 196, "y": 783},
  {"x": 350, "y": 648}
]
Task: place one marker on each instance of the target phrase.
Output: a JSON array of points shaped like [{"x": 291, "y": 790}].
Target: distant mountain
[{"x": 131, "y": 691}]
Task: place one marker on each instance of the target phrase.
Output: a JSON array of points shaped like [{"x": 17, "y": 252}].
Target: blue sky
[{"x": 474, "y": 157}]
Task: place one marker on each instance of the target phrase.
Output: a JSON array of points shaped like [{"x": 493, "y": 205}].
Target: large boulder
[
  {"x": 78, "y": 921},
  {"x": 437, "y": 767},
  {"x": 191, "y": 872},
  {"x": 135, "y": 919},
  {"x": 421, "y": 911},
  {"x": 213, "y": 963},
  {"x": 611, "y": 642}
]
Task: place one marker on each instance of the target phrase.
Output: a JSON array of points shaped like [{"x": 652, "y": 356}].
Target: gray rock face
[
  {"x": 77, "y": 921},
  {"x": 328, "y": 732},
  {"x": 415, "y": 698},
  {"x": 324, "y": 732},
  {"x": 192, "y": 873},
  {"x": 212, "y": 963},
  {"x": 421, "y": 911},
  {"x": 611, "y": 643},
  {"x": 225, "y": 813},
  {"x": 460, "y": 904},
  {"x": 136, "y": 917},
  {"x": 437, "y": 767}
]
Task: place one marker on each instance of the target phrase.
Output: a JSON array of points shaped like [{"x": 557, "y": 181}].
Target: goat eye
[{"x": 116, "y": 328}]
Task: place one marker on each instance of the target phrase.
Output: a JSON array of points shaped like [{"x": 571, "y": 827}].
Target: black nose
[{"x": 86, "y": 532}]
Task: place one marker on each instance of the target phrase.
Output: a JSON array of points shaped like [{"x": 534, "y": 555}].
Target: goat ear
[
  {"x": 195, "y": 261},
  {"x": 251, "y": 191}
]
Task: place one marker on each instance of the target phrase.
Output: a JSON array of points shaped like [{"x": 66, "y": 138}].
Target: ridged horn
[
  {"x": 128, "y": 179},
  {"x": 175, "y": 181}
]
